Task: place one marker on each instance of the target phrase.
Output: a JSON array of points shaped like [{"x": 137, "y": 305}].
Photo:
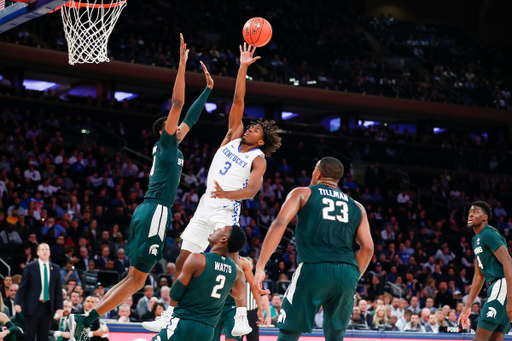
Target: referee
[{"x": 253, "y": 302}]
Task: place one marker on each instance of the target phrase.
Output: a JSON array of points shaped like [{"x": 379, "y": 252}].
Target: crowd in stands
[
  {"x": 328, "y": 49},
  {"x": 79, "y": 199},
  {"x": 459, "y": 69}
]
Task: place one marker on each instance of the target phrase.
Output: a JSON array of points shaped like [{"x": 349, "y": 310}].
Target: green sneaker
[{"x": 77, "y": 330}]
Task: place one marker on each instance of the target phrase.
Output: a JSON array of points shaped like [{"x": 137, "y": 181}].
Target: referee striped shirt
[{"x": 251, "y": 302}]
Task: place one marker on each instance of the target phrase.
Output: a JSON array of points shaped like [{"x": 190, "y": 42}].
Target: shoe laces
[{"x": 165, "y": 315}]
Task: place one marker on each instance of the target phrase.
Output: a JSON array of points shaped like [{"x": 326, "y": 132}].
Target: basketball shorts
[
  {"x": 185, "y": 330},
  {"x": 226, "y": 323},
  {"x": 331, "y": 285},
  {"x": 493, "y": 316},
  {"x": 211, "y": 214},
  {"x": 147, "y": 231}
]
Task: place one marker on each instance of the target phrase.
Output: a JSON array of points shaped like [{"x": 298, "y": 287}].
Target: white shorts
[{"x": 211, "y": 214}]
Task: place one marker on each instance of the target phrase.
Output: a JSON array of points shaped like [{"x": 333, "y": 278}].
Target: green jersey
[
  {"x": 484, "y": 246},
  {"x": 327, "y": 227},
  {"x": 206, "y": 294},
  {"x": 165, "y": 173}
]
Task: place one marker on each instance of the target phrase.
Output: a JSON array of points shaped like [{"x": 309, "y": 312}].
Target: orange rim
[{"x": 76, "y": 4}]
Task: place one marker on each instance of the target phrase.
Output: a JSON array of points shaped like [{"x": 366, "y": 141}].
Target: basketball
[{"x": 257, "y": 32}]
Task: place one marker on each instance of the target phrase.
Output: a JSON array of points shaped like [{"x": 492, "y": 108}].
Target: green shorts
[
  {"x": 331, "y": 285},
  {"x": 148, "y": 229},
  {"x": 493, "y": 316},
  {"x": 226, "y": 323},
  {"x": 185, "y": 330}
]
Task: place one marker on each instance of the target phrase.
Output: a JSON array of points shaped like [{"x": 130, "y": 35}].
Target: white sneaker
[
  {"x": 160, "y": 322},
  {"x": 241, "y": 325}
]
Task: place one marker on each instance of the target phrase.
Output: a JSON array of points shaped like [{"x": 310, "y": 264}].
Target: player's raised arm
[
  {"x": 259, "y": 165},
  {"x": 476, "y": 287},
  {"x": 504, "y": 257},
  {"x": 193, "y": 267},
  {"x": 291, "y": 207},
  {"x": 197, "y": 107},
  {"x": 365, "y": 241},
  {"x": 235, "y": 128},
  {"x": 178, "y": 94}
]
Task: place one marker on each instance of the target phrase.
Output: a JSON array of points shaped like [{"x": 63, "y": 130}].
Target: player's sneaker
[
  {"x": 160, "y": 322},
  {"x": 77, "y": 330},
  {"x": 241, "y": 325}
]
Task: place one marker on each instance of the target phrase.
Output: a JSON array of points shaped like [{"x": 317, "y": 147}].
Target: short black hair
[
  {"x": 157, "y": 126},
  {"x": 236, "y": 239},
  {"x": 484, "y": 206},
  {"x": 331, "y": 167}
]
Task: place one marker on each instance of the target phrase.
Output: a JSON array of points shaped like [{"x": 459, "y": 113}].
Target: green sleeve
[
  {"x": 197, "y": 107},
  {"x": 177, "y": 291},
  {"x": 13, "y": 329},
  {"x": 492, "y": 240}
]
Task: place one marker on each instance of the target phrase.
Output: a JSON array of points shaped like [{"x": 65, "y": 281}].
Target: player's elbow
[
  {"x": 237, "y": 295},
  {"x": 367, "y": 247},
  {"x": 177, "y": 103}
]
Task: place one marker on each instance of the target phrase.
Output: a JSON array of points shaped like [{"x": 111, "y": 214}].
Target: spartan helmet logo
[
  {"x": 153, "y": 249},
  {"x": 491, "y": 312}
]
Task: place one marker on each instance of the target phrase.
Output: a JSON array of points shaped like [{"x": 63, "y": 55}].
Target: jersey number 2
[
  {"x": 221, "y": 279},
  {"x": 330, "y": 208}
]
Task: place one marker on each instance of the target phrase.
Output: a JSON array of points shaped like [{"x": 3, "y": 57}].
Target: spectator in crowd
[
  {"x": 9, "y": 300},
  {"x": 444, "y": 297},
  {"x": 124, "y": 314},
  {"x": 143, "y": 304},
  {"x": 424, "y": 316},
  {"x": 365, "y": 314},
  {"x": 357, "y": 321},
  {"x": 59, "y": 329},
  {"x": 99, "y": 332},
  {"x": 156, "y": 310},
  {"x": 402, "y": 322},
  {"x": 379, "y": 317},
  {"x": 165, "y": 299},
  {"x": 432, "y": 326},
  {"x": 414, "y": 324}
]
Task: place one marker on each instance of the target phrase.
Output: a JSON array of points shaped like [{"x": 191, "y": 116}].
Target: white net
[{"x": 88, "y": 25}]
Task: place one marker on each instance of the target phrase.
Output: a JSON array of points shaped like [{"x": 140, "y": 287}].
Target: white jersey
[{"x": 231, "y": 168}]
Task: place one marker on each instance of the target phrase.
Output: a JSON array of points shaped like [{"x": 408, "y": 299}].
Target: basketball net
[
  {"x": 2, "y": 4},
  {"x": 87, "y": 26}
]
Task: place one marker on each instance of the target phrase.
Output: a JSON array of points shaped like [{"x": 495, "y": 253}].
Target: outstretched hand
[
  {"x": 246, "y": 55},
  {"x": 183, "y": 50},
  {"x": 209, "y": 79},
  {"x": 257, "y": 282},
  {"x": 464, "y": 316}
]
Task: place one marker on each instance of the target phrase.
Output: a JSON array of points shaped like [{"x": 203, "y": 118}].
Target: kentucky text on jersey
[
  {"x": 234, "y": 158},
  {"x": 334, "y": 194},
  {"x": 223, "y": 267}
]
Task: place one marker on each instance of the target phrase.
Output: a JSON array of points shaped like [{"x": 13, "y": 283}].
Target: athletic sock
[
  {"x": 91, "y": 317},
  {"x": 241, "y": 311}
]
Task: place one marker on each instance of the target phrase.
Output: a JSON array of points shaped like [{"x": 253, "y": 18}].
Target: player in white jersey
[{"x": 236, "y": 173}]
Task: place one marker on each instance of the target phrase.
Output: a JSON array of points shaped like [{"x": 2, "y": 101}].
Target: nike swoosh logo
[{"x": 224, "y": 206}]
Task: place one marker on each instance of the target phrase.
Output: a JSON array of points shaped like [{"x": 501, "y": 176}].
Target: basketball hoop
[{"x": 87, "y": 26}]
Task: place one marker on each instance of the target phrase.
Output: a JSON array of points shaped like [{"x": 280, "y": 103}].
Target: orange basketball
[{"x": 257, "y": 32}]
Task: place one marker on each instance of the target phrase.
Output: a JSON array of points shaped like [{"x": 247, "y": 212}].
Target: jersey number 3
[
  {"x": 326, "y": 211},
  {"x": 221, "y": 279}
]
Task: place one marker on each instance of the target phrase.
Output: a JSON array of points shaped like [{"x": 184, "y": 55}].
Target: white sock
[
  {"x": 241, "y": 311},
  {"x": 170, "y": 309}
]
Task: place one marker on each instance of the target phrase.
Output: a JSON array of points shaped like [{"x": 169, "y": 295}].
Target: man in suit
[
  {"x": 39, "y": 295},
  {"x": 60, "y": 328},
  {"x": 143, "y": 304},
  {"x": 9, "y": 300}
]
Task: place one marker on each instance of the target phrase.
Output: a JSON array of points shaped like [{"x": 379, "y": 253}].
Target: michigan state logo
[
  {"x": 282, "y": 316},
  {"x": 491, "y": 313},
  {"x": 153, "y": 250}
]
